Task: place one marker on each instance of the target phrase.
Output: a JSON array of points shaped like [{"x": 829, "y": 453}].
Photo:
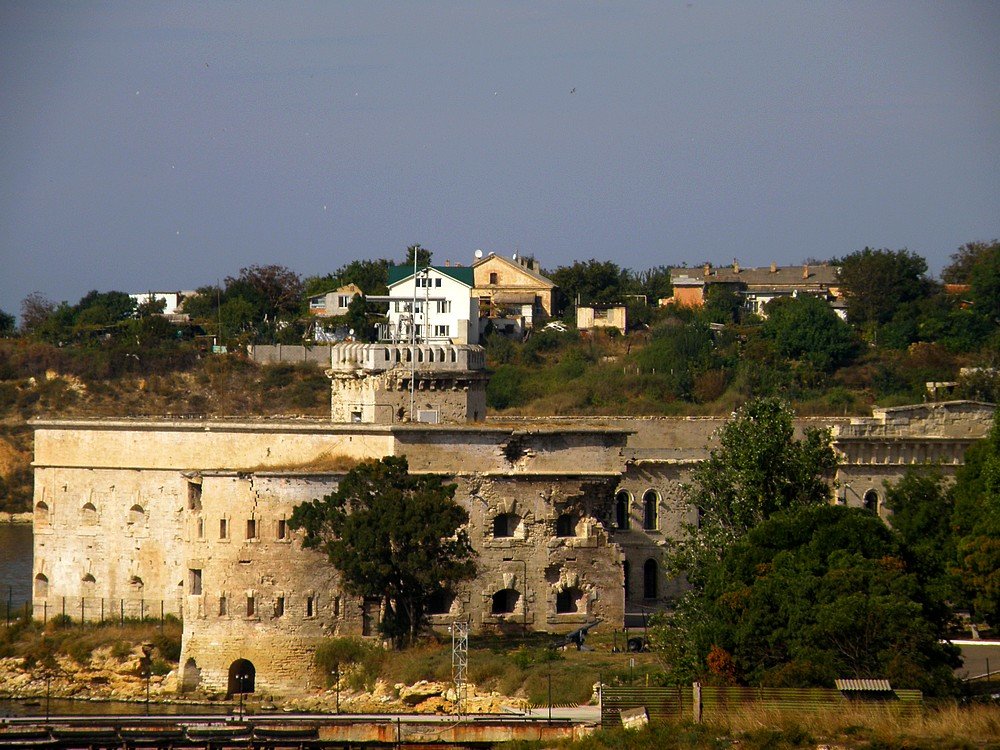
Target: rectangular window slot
[
  {"x": 194, "y": 581},
  {"x": 252, "y": 528},
  {"x": 281, "y": 530},
  {"x": 309, "y": 606},
  {"x": 279, "y": 606},
  {"x": 223, "y": 528},
  {"x": 251, "y": 606}
]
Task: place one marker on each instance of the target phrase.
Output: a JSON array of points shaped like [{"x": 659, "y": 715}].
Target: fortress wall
[
  {"x": 198, "y": 445},
  {"x": 111, "y": 535},
  {"x": 262, "y": 596},
  {"x": 505, "y": 451}
]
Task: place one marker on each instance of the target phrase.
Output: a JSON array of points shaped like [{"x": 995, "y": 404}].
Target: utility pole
[{"x": 459, "y": 661}]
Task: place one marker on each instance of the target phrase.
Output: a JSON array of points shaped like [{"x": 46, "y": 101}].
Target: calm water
[{"x": 15, "y": 564}]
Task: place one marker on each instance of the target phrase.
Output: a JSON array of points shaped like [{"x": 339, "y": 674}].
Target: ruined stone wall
[{"x": 384, "y": 398}]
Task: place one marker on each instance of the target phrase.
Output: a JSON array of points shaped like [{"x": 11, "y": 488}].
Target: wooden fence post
[{"x": 696, "y": 702}]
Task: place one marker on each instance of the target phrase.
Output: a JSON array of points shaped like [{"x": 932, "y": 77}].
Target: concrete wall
[{"x": 269, "y": 354}]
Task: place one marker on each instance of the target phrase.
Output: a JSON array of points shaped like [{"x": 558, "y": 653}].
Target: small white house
[
  {"x": 436, "y": 305},
  {"x": 334, "y": 302},
  {"x": 172, "y": 300}
]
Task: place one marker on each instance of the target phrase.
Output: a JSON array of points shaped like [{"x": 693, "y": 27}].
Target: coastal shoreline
[{"x": 17, "y": 517}]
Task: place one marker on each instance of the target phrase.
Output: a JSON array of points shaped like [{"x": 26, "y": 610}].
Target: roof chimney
[
  {"x": 447, "y": 264},
  {"x": 708, "y": 269},
  {"x": 805, "y": 271},
  {"x": 774, "y": 267},
  {"x": 736, "y": 266}
]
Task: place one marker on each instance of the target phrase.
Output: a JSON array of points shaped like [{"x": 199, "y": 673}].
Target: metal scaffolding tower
[{"x": 460, "y": 662}]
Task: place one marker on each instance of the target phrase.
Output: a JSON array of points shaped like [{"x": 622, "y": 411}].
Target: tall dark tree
[
  {"x": 392, "y": 535},
  {"x": 422, "y": 253},
  {"x": 274, "y": 291},
  {"x": 878, "y": 282},
  {"x": 7, "y": 324}
]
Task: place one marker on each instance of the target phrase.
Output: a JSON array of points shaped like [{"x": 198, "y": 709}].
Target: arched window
[
  {"x": 135, "y": 585},
  {"x": 568, "y": 600},
  {"x": 505, "y": 601},
  {"x": 88, "y": 514},
  {"x": 136, "y": 515},
  {"x": 621, "y": 510},
  {"x": 650, "y": 508},
  {"x": 505, "y": 525},
  {"x": 41, "y": 586},
  {"x": 650, "y": 579},
  {"x": 41, "y": 512},
  {"x": 566, "y": 525},
  {"x": 87, "y": 585},
  {"x": 870, "y": 501}
]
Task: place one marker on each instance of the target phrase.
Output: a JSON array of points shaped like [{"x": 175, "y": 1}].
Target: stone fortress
[{"x": 569, "y": 516}]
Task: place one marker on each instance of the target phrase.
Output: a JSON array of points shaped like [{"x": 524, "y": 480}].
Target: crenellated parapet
[{"x": 397, "y": 383}]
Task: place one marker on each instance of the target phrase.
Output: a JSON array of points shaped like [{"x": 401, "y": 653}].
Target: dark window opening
[
  {"x": 650, "y": 510},
  {"x": 279, "y": 607},
  {"x": 566, "y": 525},
  {"x": 223, "y": 528},
  {"x": 650, "y": 579},
  {"x": 439, "y": 603},
  {"x": 309, "y": 606},
  {"x": 223, "y": 606},
  {"x": 282, "y": 529},
  {"x": 194, "y": 581},
  {"x": 568, "y": 601},
  {"x": 505, "y": 601},
  {"x": 621, "y": 510},
  {"x": 251, "y": 606},
  {"x": 251, "y": 528},
  {"x": 505, "y": 525}
]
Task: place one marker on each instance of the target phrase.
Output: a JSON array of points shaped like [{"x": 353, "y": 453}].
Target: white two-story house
[{"x": 435, "y": 305}]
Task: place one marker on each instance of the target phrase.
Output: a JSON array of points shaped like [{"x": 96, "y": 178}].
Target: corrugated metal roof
[{"x": 880, "y": 686}]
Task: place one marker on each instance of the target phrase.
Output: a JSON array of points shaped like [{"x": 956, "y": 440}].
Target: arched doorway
[{"x": 242, "y": 676}]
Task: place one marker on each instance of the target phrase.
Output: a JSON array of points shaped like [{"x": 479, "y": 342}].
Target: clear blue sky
[{"x": 152, "y": 145}]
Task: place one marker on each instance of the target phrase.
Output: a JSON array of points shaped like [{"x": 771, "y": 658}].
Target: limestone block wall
[
  {"x": 203, "y": 444},
  {"x": 107, "y": 542},
  {"x": 251, "y": 591}
]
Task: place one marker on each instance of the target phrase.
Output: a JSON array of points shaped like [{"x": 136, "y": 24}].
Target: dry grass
[
  {"x": 323, "y": 463},
  {"x": 881, "y": 726}
]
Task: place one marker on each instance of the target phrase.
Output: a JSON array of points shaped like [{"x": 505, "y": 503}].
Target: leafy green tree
[
  {"x": 678, "y": 354},
  {"x": 392, "y": 535},
  {"x": 104, "y": 308},
  {"x": 878, "y": 282},
  {"x": 810, "y": 595},
  {"x": 961, "y": 270},
  {"x": 985, "y": 283},
  {"x": 723, "y": 304},
  {"x": 654, "y": 283},
  {"x": 976, "y": 523},
  {"x": 274, "y": 291},
  {"x": 759, "y": 468},
  {"x": 7, "y": 324},
  {"x": 371, "y": 276},
  {"x": 591, "y": 281},
  {"x": 806, "y": 327},
  {"x": 36, "y": 309}
]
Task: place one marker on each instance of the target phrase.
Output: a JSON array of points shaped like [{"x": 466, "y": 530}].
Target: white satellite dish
[
  {"x": 479, "y": 254},
  {"x": 514, "y": 256}
]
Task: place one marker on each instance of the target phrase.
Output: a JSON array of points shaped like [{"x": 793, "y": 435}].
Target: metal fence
[
  {"x": 699, "y": 702},
  {"x": 92, "y": 610}
]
